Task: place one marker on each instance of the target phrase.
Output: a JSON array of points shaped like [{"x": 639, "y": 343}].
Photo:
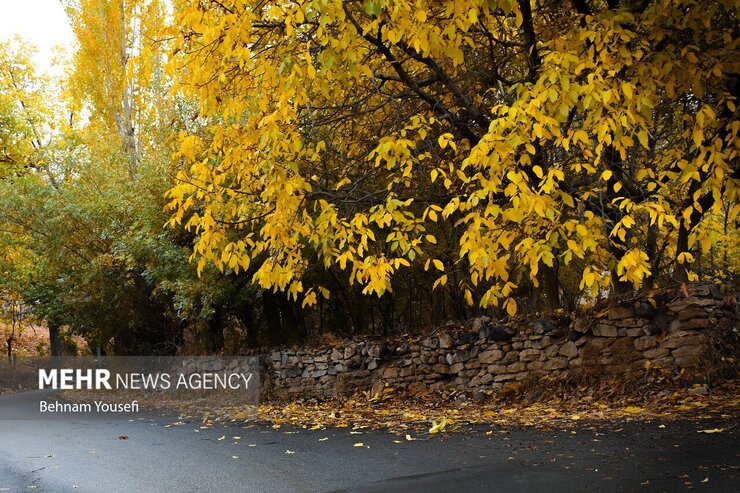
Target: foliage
[{"x": 502, "y": 139}]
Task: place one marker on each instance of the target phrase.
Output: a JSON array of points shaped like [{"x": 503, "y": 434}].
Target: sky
[{"x": 41, "y": 22}]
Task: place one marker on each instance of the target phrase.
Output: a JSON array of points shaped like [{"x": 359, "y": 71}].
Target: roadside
[{"x": 173, "y": 453}]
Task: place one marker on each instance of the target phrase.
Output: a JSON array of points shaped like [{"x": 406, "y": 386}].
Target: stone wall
[{"x": 674, "y": 329}]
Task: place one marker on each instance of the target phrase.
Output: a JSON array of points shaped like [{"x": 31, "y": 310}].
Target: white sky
[{"x": 41, "y": 22}]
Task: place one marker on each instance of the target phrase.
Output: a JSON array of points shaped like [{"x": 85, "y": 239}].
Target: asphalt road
[{"x": 87, "y": 455}]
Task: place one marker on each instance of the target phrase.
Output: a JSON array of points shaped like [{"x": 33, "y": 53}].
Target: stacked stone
[
  {"x": 674, "y": 330},
  {"x": 325, "y": 372}
]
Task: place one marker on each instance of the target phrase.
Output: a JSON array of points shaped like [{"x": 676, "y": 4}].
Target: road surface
[{"x": 159, "y": 455}]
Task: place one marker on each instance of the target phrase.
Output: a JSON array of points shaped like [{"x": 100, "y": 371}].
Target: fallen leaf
[
  {"x": 123, "y": 437},
  {"x": 713, "y": 430},
  {"x": 222, "y": 438},
  {"x": 234, "y": 456},
  {"x": 323, "y": 439},
  {"x": 410, "y": 438},
  {"x": 438, "y": 427},
  {"x": 359, "y": 444},
  {"x": 289, "y": 452}
]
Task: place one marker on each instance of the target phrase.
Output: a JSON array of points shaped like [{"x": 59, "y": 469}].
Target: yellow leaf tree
[{"x": 502, "y": 142}]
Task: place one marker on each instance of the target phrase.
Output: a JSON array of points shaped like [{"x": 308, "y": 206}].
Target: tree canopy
[{"x": 505, "y": 140}]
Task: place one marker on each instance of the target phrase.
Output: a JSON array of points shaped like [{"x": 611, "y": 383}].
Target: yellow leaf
[
  {"x": 713, "y": 430},
  {"x": 642, "y": 136},
  {"x": 511, "y": 307},
  {"x": 438, "y": 427}
]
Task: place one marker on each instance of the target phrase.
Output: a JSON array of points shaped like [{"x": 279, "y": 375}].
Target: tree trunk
[
  {"x": 214, "y": 334},
  {"x": 55, "y": 340}
]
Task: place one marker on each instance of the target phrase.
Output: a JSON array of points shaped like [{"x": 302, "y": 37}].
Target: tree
[{"x": 499, "y": 142}]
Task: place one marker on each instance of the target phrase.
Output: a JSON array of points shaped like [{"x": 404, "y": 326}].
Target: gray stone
[
  {"x": 376, "y": 350},
  {"x": 431, "y": 342},
  {"x": 510, "y": 357},
  {"x": 581, "y": 325},
  {"x": 683, "y": 338},
  {"x": 617, "y": 312},
  {"x": 479, "y": 323},
  {"x": 688, "y": 351},
  {"x": 516, "y": 367},
  {"x": 542, "y": 343},
  {"x": 490, "y": 356},
  {"x": 460, "y": 356},
  {"x": 486, "y": 379},
  {"x": 700, "y": 390},
  {"x": 646, "y": 342},
  {"x": 692, "y": 301},
  {"x": 694, "y": 312},
  {"x": 650, "y": 329},
  {"x": 604, "y": 330},
  {"x": 466, "y": 339},
  {"x": 445, "y": 340},
  {"x": 529, "y": 355},
  {"x": 541, "y": 327},
  {"x": 582, "y": 340},
  {"x": 569, "y": 349}
]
